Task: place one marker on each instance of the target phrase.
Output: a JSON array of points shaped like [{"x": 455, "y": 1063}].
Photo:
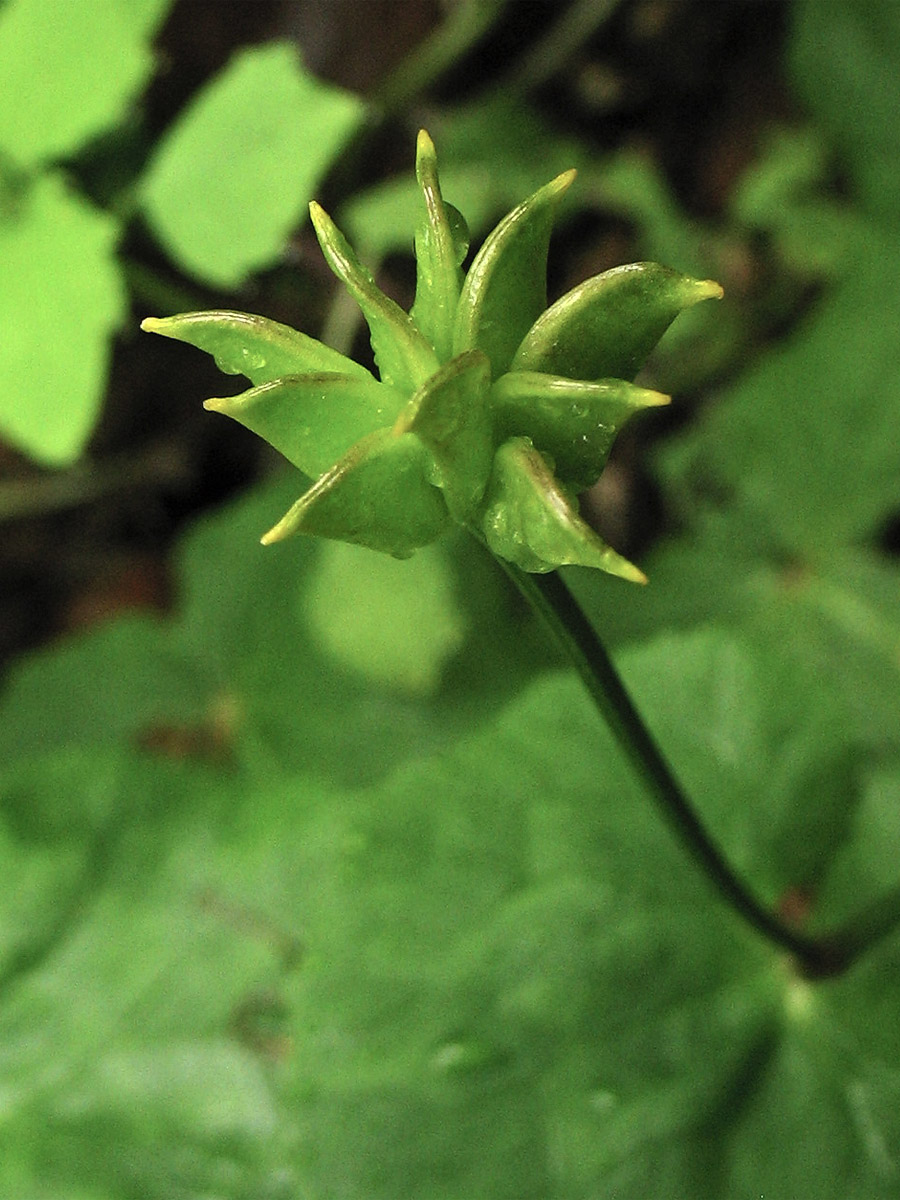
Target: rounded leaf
[
  {"x": 230, "y": 179},
  {"x": 61, "y": 300}
]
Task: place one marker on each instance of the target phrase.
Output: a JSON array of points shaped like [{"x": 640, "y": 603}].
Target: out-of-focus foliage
[
  {"x": 844, "y": 62},
  {"x": 299, "y": 907},
  {"x": 46, "y": 111},
  {"x": 236, "y": 174},
  {"x": 224, "y": 189},
  {"x": 61, "y": 297},
  {"x": 255, "y": 957}
]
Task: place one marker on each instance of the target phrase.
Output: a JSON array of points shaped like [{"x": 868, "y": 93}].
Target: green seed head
[{"x": 489, "y": 408}]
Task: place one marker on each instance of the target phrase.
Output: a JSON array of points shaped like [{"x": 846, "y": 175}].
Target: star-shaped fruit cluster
[{"x": 490, "y": 409}]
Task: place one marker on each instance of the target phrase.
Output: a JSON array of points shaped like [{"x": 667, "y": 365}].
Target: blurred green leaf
[
  {"x": 632, "y": 185},
  {"x": 233, "y": 177},
  {"x": 845, "y": 60},
  {"x": 53, "y": 97},
  {"x": 490, "y": 973},
  {"x": 799, "y": 445},
  {"x": 358, "y": 607},
  {"x": 62, "y": 297},
  {"x": 835, "y": 617},
  {"x": 232, "y": 663},
  {"x": 783, "y": 193}
]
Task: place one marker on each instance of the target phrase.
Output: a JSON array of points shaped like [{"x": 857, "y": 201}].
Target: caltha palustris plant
[{"x": 490, "y": 409}]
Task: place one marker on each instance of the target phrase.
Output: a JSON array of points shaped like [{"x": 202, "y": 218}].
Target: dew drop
[
  {"x": 252, "y": 361},
  {"x": 226, "y": 365}
]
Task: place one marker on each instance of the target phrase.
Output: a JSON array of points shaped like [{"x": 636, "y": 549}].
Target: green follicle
[
  {"x": 506, "y": 287},
  {"x": 606, "y": 326},
  {"x": 532, "y": 520},
  {"x": 313, "y": 419},
  {"x": 492, "y": 410},
  {"x": 438, "y": 274},
  {"x": 571, "y": 421},
  {"x": 375, "y": 496},
  {"x": 450, "y": 416},
  {"x": 245, "y": 344},
  {"x": 403, "y": 356}
]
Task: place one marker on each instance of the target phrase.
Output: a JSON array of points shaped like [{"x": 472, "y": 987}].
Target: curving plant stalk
[{"x": 493, "y": 411}]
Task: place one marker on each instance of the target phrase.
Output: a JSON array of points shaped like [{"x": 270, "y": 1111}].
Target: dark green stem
[{"x": 552, "y": 600}]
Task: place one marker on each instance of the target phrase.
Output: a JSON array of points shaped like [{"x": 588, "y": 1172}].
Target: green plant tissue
[
  {"x": 236, "y": 172},
  {"x": 395, "y": 622},
  {"x": 68, "y": 68},
  {"x": 62, "y": 298}
]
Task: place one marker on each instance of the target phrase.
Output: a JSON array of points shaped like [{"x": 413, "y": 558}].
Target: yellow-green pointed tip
[
  {"x": 426, "y": 161},
  {"x": 217, "y": 404},
  {"x": 652, "y": 399},
  {"x": 323, "y": 225},
  {"x": 317, "y": 215},
  {"x": 152, "y": 324},
  {"x": 635, "y": 399},
  {"x": 326, "y": 230},
  {"x": 627, "y": 571},
  {"x": 288, "y": 524},
  {"x": 708, "y": 289},
  {"x": 275, "y": 534},
  {"x": 613, "y": 563},
  {"x": 561, "y": 184},
  {"x": 424, "y": 146}
]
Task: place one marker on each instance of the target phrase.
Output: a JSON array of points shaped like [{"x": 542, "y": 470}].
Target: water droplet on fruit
[
  {"x": 226, "y": 365},
  {"x": 253, "y": 361}
]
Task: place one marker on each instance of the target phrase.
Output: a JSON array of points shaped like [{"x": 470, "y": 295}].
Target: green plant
[
  {"x": 489, "y": 410},
  {"x": 300, "y": 904},
  {"x": 493, "y": 410},
  {"x": 221, "y": 190}
]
